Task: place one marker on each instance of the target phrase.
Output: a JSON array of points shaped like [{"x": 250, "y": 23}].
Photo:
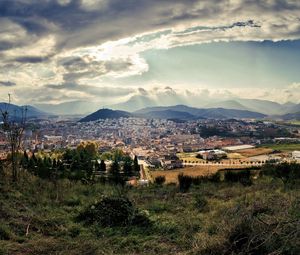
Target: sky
[{"x": 105, "y": 51}]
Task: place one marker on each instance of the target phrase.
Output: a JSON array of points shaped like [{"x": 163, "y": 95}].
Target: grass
[
  {"x": 294, "y": 122},
  {"x": 283, "y": 147},
  {"x": 209, "y": 219}
]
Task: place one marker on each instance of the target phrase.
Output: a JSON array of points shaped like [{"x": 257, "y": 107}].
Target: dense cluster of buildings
[{"x": 155, "y": 140}]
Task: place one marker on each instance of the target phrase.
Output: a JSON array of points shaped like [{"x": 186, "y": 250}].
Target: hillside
[
  {"x": 291, "y": 116},
  {"x": 42, "y": 217},
  {"x": 169, "y": 114},
  {"x": 228, "y": 104},
  {"x": 106, "y": 114},
  {"x": 15, "y": 110}
]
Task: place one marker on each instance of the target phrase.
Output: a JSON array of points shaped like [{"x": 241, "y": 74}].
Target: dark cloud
[
  {"x": 31, "y": 59},
  {"x": 142, "y": 91},
  {"x": 5, "y": 45},
  {"x": 7, "y": 83},
  {"x": 75, "y": 25}
]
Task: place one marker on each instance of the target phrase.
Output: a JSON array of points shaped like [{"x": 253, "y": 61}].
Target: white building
[
  {"x": 296, "y": 155},
  {"x": 212, "y": 154},
  {"x": 238, "y": 147}
]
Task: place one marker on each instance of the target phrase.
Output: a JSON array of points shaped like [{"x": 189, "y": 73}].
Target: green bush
[
  {"x": 185, "y": 182},
  {"x": 112, "y": 211},
  {"x": 287, "y": 172},
  {"x": 244, "y": 177},
  {"x": 5, "y": 233},
  {"x": 214, "y": 178},
  {"x": 160, "y": 180}
]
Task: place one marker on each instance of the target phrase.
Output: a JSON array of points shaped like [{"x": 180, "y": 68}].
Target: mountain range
[
  {"x": 234, "y": 108},
  {"x": 179, "y": 112},
  {"x": 256, "y": 105},
  {"x": 140, "y": 101}
]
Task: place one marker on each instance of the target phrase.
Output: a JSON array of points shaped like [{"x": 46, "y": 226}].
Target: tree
[
  {"x": 115, "y": 175},
  {"x": 90, "y": 149},
  {"x": 25, "y": 160},
  {"x": 14, "y": 127},
  {"x": 136, "y": 166},
  {"x": 127, "y": 167},
  {"x": 1, "y": 168},
  {"x": 43, "y": 168},
  {"x": 102, "y": 166},
  {"x": 118, "y": 155}
]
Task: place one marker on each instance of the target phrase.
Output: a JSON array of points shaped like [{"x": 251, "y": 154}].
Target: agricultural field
[
  {"x": 295, "y": 122},
  {"x": 282, "y": 147},
  {"x": 255, "y": 152},
  {"x": 172, "y": 175},
  {"x": 234, "y": 155}
]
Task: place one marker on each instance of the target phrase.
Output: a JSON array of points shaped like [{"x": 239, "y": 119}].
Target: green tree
[
  {"x": 136, "y": 167},
  {"x": 118, "y": 155},
  {"x": 25, "y": 160},
  {"x": 127, "y": 167},
  {"x": 102, "y": 166},
  {"x": 115, "y": 175},
  {"x": 43, "y": 170}
]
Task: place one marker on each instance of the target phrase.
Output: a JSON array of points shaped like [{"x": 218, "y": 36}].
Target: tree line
[{"x": 82, "y": 164}]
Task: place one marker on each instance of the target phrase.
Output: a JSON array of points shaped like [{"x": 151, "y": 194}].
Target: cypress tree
[
  {"x": 127, "y": 168},
  {"x": 115, "y": 175},
  {"x": 136, "y": 167},
  {"x": 102, "y": 166}
]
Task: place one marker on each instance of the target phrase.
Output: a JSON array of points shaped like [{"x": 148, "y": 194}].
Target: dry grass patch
[
  {"x": 172, "y": 175},
  {"x": 255, "y": 152}
]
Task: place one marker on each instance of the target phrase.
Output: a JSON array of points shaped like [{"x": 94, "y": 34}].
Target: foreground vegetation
[{"x": 200, "y": 216}]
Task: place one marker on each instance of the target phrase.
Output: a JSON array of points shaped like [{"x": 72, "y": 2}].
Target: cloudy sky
[{"x": 105, "y": 51}]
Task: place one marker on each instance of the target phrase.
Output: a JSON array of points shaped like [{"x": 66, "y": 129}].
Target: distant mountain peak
[{"x": 106, "y": 113}]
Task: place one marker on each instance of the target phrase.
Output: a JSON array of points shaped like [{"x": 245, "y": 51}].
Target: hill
[
  {"x": 16, "y": 111},
  {"x": 291, "y": 116},
  {"x": 106, "y": 114},
  {"x": 218, "y": 113}
]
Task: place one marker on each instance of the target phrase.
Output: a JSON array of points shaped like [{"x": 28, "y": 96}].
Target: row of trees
[{"x": 82, "y": 164}]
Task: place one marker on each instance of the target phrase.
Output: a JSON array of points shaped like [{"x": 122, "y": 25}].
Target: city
[
  {"x": 149, "y": 127},
  {"x": 164, "y": 144}
]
